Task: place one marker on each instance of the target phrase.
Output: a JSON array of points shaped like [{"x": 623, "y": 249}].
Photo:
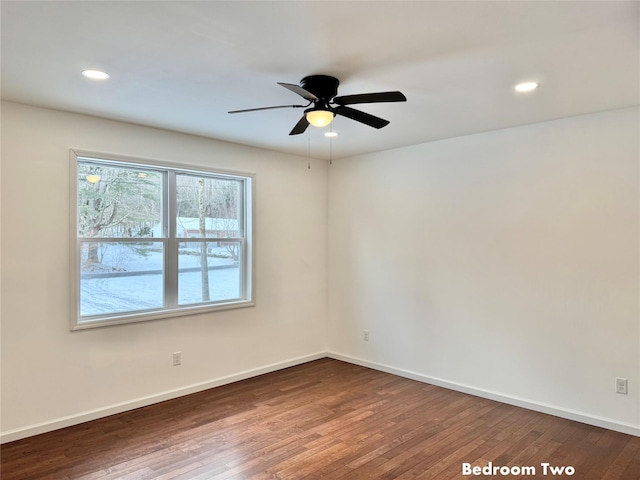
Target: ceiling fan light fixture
[{"x": 319, "y": 118}]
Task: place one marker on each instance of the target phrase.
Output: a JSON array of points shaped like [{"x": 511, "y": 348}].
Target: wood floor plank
[{"x": 325, "y": 420}]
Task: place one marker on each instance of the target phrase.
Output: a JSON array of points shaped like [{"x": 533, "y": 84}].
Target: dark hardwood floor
[{"x": 323, "y": 420}]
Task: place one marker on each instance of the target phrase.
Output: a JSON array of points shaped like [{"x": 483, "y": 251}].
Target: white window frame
[{"x": 169, "y": 239}]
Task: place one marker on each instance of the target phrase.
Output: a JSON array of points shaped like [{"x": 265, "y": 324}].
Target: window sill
[{"x": 100, "y": 322}]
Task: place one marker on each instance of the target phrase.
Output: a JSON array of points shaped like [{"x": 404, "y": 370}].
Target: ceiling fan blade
[
  {"x": 300, "y": 91},
  {"x": 267, "y": 108},
  {"x": 362, "y": 117},
  {"x": 370, "y": 98},
  {"x": 300, "y": 127}
]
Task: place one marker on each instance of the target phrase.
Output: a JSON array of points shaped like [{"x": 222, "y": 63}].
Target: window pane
[
  {"x": 154, "y": 240},
  {"x": 120, "y": 277},
  {"x": 118, "y": 202},
  {"x": 208, "y": 272},
  {"x": 208, "y": 207}
]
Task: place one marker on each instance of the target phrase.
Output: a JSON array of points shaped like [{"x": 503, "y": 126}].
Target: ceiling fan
[{"x": 321, "y": 91}]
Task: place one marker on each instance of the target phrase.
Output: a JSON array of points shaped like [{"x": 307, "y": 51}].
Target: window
[{"x": 156, "y": 240}]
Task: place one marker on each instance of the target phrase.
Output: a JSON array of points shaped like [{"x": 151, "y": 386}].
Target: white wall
[
  {"x": 503, "y": 264},
  {"x": 51, "y": 376}
]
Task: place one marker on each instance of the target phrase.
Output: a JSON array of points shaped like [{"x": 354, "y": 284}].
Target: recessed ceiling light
[
  {"x": 526, "y": 87},
  {"x": 95, "y": 74},
  {"x": 331, "y": 134}
]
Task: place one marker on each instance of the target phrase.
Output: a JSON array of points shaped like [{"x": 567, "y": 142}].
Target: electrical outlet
[
  {"x": 177, "y": 358},
  {"x": 621, "y": 385},
  {"x": 365, "y": 335}
]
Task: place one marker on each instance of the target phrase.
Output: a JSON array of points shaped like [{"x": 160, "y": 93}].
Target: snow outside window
[{"x": 157, "y": 240}]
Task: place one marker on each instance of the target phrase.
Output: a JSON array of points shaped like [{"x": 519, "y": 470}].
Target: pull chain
[
  {"x": 330, "y": 145},
  {"x": 309, "y": 153}
]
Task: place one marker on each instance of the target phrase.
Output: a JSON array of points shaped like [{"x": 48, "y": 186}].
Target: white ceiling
[{"x": 182, "y": 65}]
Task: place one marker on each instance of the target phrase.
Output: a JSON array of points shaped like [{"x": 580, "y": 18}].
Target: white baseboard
[
  {"x": 70, "y": 420},
  {"x": 17, "y": 434},
  {"x": 510, "y": 400}
]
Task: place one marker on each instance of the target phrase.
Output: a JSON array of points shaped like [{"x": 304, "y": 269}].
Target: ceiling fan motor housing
[{"x": 322, "y": 86}]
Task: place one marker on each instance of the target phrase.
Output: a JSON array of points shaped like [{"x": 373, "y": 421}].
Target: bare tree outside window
[
  {"x": 116, "y": 203},
  {"x": 208, "y": 208}
]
